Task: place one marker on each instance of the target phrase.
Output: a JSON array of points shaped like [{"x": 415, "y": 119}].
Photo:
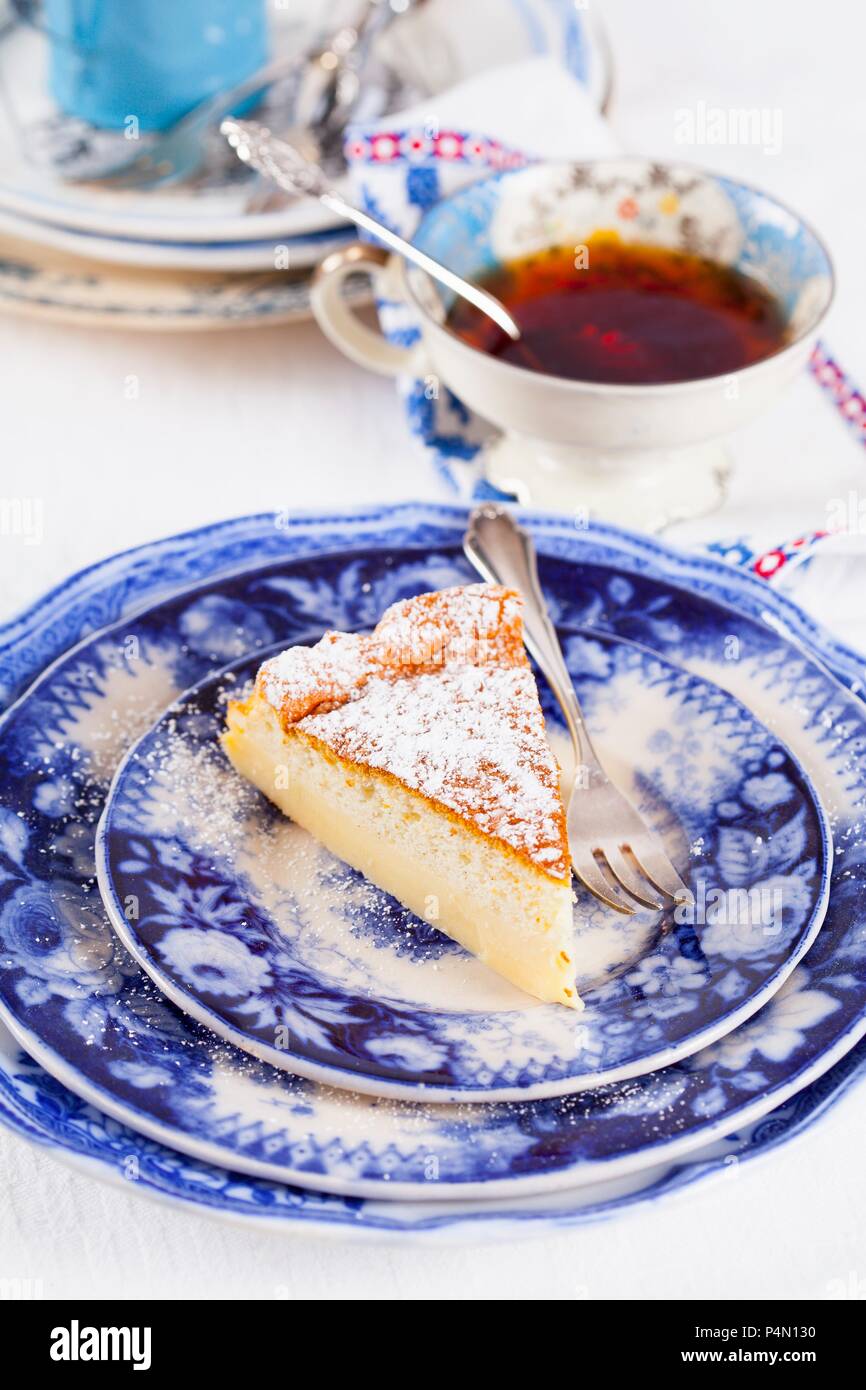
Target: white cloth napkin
[{"x": 797, "y": 468}]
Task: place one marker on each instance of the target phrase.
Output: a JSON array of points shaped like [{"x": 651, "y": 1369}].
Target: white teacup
[{"x": 642, "y": 455}]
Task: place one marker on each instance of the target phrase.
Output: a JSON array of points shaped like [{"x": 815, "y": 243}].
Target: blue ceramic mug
[{"x": 150, "y": 59}]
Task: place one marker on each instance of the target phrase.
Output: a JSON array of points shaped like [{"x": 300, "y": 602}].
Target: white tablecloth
[{"x": 274, "y": 418}]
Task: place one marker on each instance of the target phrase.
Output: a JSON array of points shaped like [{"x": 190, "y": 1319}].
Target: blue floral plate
[
  {"x": 34, "y": 1105},
  {"x": 259, "y": 933},
  {"x": 86, "y": 1013}
]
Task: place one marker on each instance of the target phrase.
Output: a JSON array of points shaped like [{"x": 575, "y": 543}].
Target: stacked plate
[
  {"x": 198, "y": 999},
  {"x": 74, "y": 249}
]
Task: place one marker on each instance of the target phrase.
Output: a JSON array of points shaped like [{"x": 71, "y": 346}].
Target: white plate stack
[{"x": 208, "y": 258}]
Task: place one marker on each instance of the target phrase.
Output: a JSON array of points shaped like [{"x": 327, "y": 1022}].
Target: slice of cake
[{"x": 417, "y": 753}]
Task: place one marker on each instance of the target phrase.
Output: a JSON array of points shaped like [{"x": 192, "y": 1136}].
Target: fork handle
[{"x": 503, "y": 553}]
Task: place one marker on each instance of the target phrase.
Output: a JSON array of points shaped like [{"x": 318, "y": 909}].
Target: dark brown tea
[{"x": 626, "y": 314}]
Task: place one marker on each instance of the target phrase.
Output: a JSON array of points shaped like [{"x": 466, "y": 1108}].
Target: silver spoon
[
  {"x": 255, "y": 145},
  {"x": 328, "y": 90}
]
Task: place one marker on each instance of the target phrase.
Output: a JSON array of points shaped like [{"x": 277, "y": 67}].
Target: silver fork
[{"x": 604, "y": 829}]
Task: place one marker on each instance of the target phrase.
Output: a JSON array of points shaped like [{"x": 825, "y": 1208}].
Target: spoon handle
[
  {"x": 493, "y": 308},
  {"x": 255, "y": 145}
]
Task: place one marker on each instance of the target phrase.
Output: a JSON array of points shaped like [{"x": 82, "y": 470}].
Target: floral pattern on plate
[
  {"x": 40, "y": 282},
  {"x": 280, "y": 948},
  {"x": 167, "y": 1078},
  {"x": 39, "y": 1108}
]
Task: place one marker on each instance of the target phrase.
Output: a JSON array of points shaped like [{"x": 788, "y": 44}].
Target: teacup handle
[{"x": 338, "y": 321}]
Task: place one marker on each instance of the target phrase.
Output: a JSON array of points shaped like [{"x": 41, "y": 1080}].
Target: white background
[{"x": 274, "y": 418}]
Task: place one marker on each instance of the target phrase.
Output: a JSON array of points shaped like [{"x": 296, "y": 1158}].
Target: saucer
[
  {"x": 249, "y": 925},
  {"x": 292, "y": 253},
  {"x": 40, "y": 282}
]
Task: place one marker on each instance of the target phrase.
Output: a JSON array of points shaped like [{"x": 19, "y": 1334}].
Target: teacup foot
[{"x": 654, "y": 490}]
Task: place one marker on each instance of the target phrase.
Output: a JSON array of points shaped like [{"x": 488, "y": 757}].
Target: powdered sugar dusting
[
  {"x": 476, "y": 625},
  {"x": 441, "y": 696},
  {"x": 468, "y": 737},
  {"x": 305, "y": 678}
]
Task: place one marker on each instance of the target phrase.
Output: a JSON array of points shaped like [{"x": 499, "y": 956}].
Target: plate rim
[
  {"x": 254, "y": 299},
  {"x": 255, "y": 254},
  {"x": 646, "y": 549},
  {"x": 666, "y": 1182},
  {"x": 440, "y": 1193}
]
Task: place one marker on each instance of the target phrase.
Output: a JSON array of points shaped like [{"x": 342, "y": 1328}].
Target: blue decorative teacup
[
  {"x": 640, "y": 454},
  {"x": 113, "y": 61}
]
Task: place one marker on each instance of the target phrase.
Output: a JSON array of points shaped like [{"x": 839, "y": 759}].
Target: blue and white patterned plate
[
  {"x": 36, "y": 1106},
  {"x": 40, "y": 283},
  {"x": 81, "y": 1008},
  {"x": 261, "y": 934}
]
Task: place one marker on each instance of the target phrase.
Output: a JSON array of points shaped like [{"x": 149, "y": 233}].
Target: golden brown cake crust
[
  {"x": 477, "y": 625},
  {"x": 440, "y": 695}
]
